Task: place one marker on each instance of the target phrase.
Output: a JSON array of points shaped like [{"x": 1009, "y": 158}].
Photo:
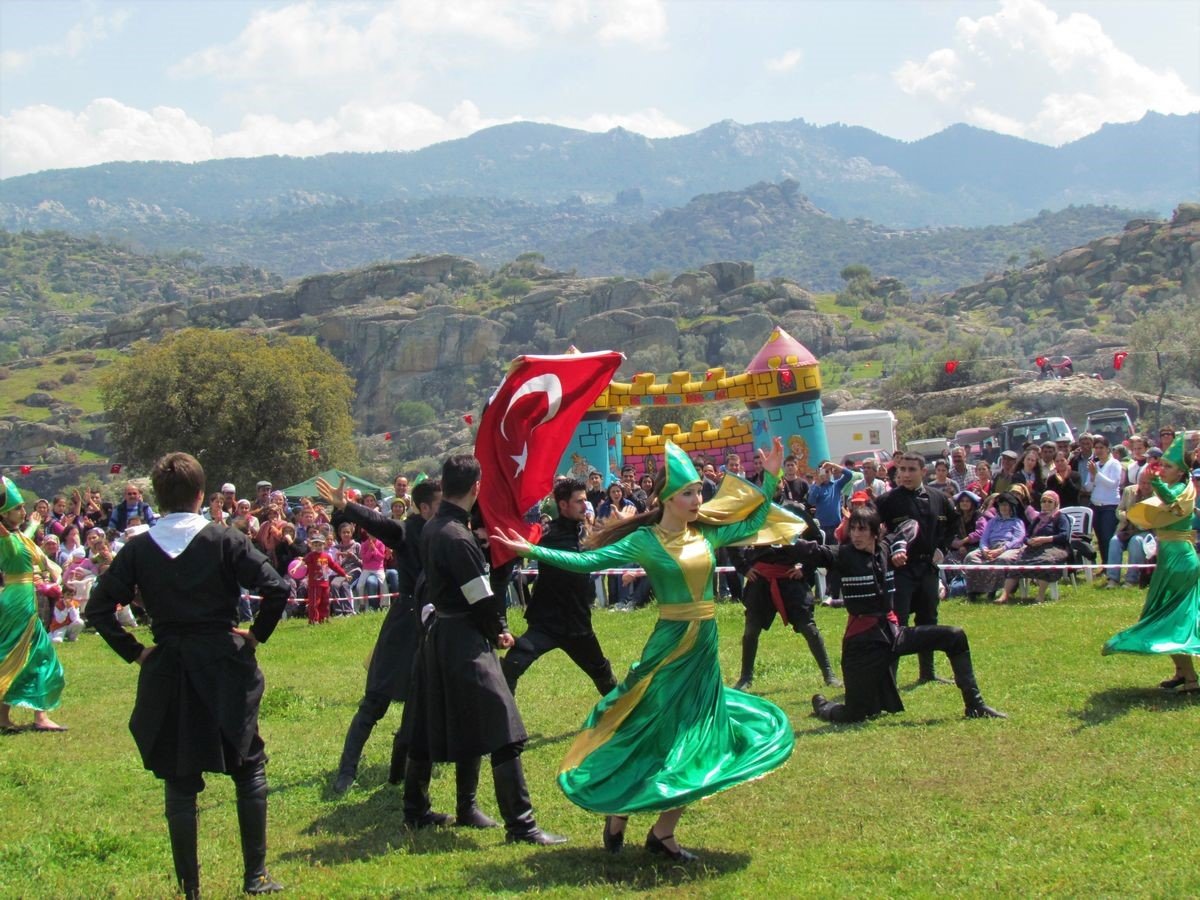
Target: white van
[{"x": 861, "y": 432}]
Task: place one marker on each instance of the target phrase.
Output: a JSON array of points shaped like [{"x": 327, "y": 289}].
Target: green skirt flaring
[
  {"x": 671, "y": 733},
  {"x": 1170, "y": 619},
  {"x": 30, "y": 673}
]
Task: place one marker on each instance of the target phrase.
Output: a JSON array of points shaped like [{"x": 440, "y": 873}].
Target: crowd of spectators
[{"x": 84, "y": 532}]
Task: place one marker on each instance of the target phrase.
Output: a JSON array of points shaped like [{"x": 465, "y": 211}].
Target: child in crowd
[
  {"x": 66, "y": 623},
  {"x": 320, "y": 564}
]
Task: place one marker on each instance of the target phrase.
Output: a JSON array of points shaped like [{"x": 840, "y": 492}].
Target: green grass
[
  {"x": 827, "y": 305},
  {"x": 84, "y": 393},
  {"x": 1087, "y": 789}
]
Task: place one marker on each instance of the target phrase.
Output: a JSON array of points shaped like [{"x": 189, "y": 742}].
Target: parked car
[
  {"x": 1114, "y": 423},
  {"x": 880, "y": 456},
  {"x": 1014, "y": 435},
  {"x": 973, "y": 440}
]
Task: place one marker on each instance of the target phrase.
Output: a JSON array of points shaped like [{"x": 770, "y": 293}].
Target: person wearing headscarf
[
  {"x": 1170, "y": 619},
  {"x": 30, "y": 674},
  {"x": 671, "y": 733}
]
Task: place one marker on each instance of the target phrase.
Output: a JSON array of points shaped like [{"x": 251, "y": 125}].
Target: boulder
[{"x": 730, "y": 275}]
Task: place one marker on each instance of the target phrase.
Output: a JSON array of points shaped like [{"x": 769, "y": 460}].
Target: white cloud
[
  {"x": 43, "y": 137},
  {"x": 79, "y": 36},
  {"x": 786, "y": 62},
  {"x": 1026, "y": 71},
  {"x": 305, "y": 43}
]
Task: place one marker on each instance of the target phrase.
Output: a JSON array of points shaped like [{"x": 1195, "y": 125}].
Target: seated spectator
[
  {"x": 969, "y": 530},
  {"x": 1027, "y": 510},
  {"x": 66, "y": 623},
  {"x": 373, "y": 581},
  {"x": 71, "y": 549},
  {"x": 242, "y": 509},
  {"x": 1002, "y": 533},
  {"x": 1141, "y": 545},
  {"x": 1047, "y": 544}
]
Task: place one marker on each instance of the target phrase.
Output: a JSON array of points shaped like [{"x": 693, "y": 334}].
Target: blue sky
[{"x": 89, "y": 81}]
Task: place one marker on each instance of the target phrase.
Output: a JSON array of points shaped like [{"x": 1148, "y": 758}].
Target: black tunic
[
  {"x": 562, "y": 601},
  {"x": 868, "y": 589},
  {"x": 935, "y": 516},
  {"x": 460, "y": 707},
  {"x": 198, "y": 693},
  {"x": 390, "y": 671}
]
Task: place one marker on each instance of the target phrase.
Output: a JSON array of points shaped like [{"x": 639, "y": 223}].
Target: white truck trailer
[{"x": 860, "y": 433}]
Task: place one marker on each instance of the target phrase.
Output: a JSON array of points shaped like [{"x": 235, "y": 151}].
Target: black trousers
[
  {"x": 584, "y": 650},
  {"x": 917, "y": 593},
  {"x": 868, "y": 670}
]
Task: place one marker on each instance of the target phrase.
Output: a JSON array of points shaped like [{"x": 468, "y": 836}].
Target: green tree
[
  {"x": 245, "y": 406},
  {"x": 1165, "y": 347}
]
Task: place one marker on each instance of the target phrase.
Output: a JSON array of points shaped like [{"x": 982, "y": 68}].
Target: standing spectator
[
  {"x": 1005, "y": 476},
  {"x": 399, "y": 491},
  {"x": 982, "y": 485},
  {"x": 1030, "y": 474},
  {"x": 215, "y": 512},
  {"x": 825, "y": 497},
  {"x": 793, "y": 488},
  {"x": 320, "y": 565},
  {"x": 1064, "y": 481},
  {"x": 1139, "y": 541},
  {"x": 960, "y": 472},
  {"x": 871, "y": 482},
  {"x": 132, "y": 505},
  {"x": 1166, "y": 436},
  {"x": 1046, "y": 456},
  {"x": 1106, "y": 494},
  {"x": 262, "y": 495},
  {"x": 1079, "y": 462}
]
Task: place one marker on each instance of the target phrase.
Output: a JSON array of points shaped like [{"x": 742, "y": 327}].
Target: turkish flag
[
  {"x": 525, "y": 429},
  {"x": 25, "y": 470},
  {"x": 314, "y": 453}
]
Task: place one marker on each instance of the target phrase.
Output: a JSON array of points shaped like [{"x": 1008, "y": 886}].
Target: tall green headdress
[
  {"x": 1174, "y": 453},
  {"x": 681, "y": 471},
  {"x": 11, "y": 498}
]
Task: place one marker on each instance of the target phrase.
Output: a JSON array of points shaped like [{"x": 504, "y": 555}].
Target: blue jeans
[
  {"x": 1104, "y": 524},
  {"x": 1136, "y": 546}
]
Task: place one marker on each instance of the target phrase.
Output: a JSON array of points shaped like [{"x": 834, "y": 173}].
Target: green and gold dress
[
  {"x": 671, "y": 732},
  {"x": 1170, "y": 620},
  {"x": 30, "y": 673}
]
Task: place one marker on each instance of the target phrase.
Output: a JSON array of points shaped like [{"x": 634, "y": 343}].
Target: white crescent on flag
[{"x": 540, "y": 384}]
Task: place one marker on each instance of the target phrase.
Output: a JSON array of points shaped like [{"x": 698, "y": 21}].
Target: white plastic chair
[{"x": 1081, "y": 529}]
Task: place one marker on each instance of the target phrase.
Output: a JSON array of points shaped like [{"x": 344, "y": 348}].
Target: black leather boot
[
  {"x": 512, "y": 796},
  {"x": 251, "y": 792},
  {"x": 356, "y": 737},
  {"x": 466, "y": 781},
  {"x": 749, "y": 653},
  {"x": 925, "y": 672},
  {"x": 816, "y": 646},
  {"x": 964, "y": 677},
  {"x": 181, "y": 827},
  {"x": 418, "y": 812},
  {"x": 399, "y": 759}
]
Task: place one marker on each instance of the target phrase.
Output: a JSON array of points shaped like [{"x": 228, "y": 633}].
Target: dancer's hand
[
  {"x": 772, "y": 462},
  {"x": 506, "y": 640},
  {"x": 145, "y": 654},
  {"x": 247, "y": 635},
  {"x": 512, "y": 541},
  {"x": 335, "y": 496}
]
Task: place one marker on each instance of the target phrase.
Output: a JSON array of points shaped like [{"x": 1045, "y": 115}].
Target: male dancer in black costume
[
  {"x": 916, "y": 571},
  {"x": 199, "y": 689},
  {"x": 389, "y": 676},
  {"x": 460, "y": 707},
  {"x": 774, "y": 585},
  {"x": 560, "y": 611},
  {"x": 874, "y": 638}
]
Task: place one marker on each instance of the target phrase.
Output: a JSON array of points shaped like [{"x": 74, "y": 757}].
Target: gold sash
[
  {"x": 11, "y": 665},
  {"x": 687, "y": 612}
]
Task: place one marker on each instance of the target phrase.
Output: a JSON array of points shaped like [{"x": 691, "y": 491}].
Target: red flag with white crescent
[{"x": 525, "y": 429}]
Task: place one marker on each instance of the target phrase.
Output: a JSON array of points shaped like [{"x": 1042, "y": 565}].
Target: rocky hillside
[{"x": 428, "y": 338}]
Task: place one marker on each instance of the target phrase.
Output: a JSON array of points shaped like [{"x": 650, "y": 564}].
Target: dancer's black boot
[
  {"x": 925, "y": 672},
  {"x": 749, "y": 652},
  {"x": 816, "y": 646},
  {"x": 251, "y": 789},
  {"x": 356, "y": 737},
  {"x": 466, "y": 782},
  {"x": 512, "y": 796},
  {"x": 399, "y": 759},
  {"x": 964, "y": 677},
  {"x": 181, "y": 827},
  {"x": 418, "y": 811}
]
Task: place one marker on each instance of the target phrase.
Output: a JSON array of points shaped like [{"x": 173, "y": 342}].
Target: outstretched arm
[{"x": 582, "y": 562}]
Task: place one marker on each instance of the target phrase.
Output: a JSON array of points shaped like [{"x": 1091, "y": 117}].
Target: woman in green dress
[
  {"x": 671, "y": 733},
  {"x": 1170, "y": 620},
  {"x": 30, "y": 673}
]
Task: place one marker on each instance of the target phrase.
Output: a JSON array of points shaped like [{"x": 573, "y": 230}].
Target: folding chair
[{"x": 1081, "y": 537}]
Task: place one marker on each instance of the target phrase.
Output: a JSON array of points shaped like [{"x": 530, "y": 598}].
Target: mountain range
[{"x": 960, "y": 176}]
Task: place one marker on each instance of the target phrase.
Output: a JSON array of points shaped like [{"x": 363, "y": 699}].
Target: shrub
[{"x": 413, "y": 413}]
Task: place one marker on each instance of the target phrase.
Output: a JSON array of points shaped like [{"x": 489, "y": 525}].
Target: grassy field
[
  {"x": 83, "y": 393},
  {"x": 1089, "y": 789}
]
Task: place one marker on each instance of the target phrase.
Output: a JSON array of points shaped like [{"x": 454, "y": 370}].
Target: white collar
[{"x": 174, "y": 532}]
